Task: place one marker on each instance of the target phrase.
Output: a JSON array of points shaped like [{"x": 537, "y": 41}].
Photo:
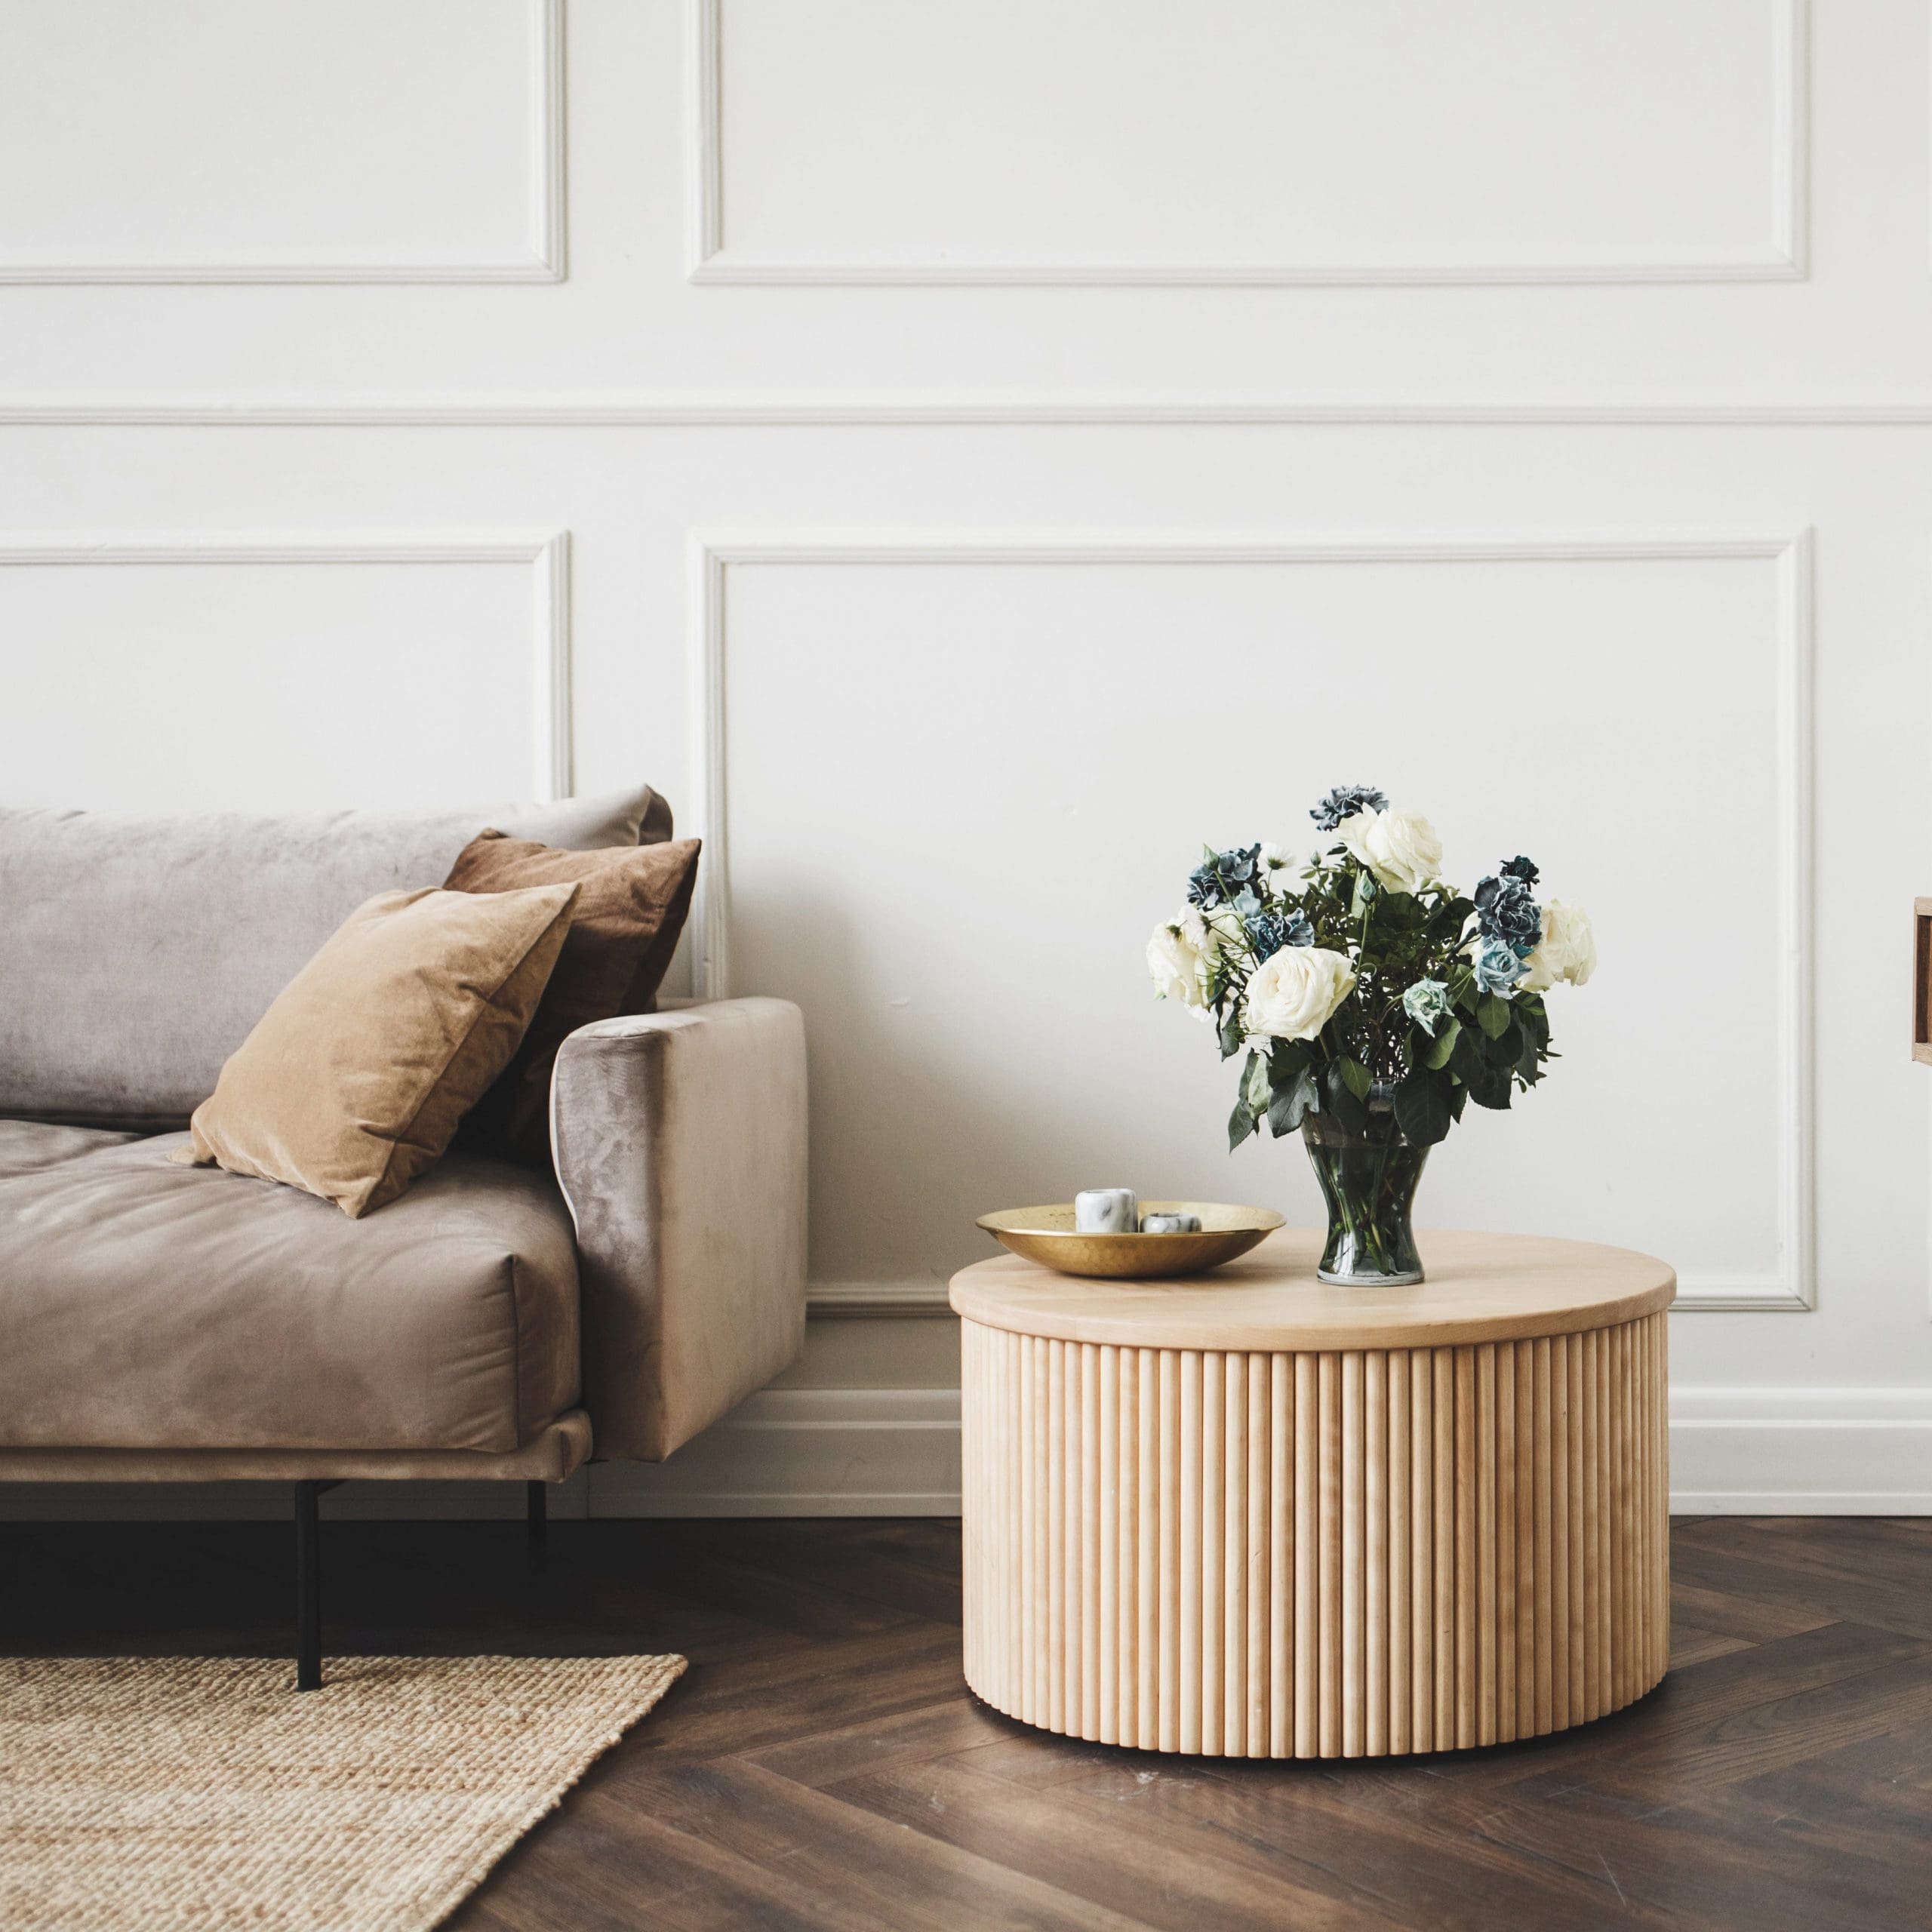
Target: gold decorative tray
[{"x": 1046, "y": 1235}]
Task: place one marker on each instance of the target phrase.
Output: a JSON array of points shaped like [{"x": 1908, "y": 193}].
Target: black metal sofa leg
[
  {"x": 309, "y": 1568},
  {"x": 309, "y": 1585}
]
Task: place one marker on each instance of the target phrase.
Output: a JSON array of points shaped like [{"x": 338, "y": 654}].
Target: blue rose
[
  {"x": 1223, "y": 875},
  {"x": 1497, "y": 968},
  {"x": 1345, "y": 802},
  {"x": 1427, "y": 1003},
  {"x": 1504, "y": 911},
  {"x": 1269, "y": 932}
]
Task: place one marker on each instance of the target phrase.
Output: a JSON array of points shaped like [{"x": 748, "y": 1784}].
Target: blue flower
[
  {"x": 1504, "y": 911},
  {"x": 1223, "y": 875},
  {"x": 1427, "y": 1003},
  {"x": 1270, "y": 931},
  {"x": 1497, "y": 967},
  {"x": 1521, "y": 868},
  {"x": 1345, "y": 802}
]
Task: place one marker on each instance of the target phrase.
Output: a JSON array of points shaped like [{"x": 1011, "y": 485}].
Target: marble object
[
  {"x": 1170, "y": 1224},
  {"x": 1106, "y": 1211}
]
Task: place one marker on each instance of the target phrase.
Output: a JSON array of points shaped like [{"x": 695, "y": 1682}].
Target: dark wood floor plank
[
  {"x": 940, "y": 1729},
  {"x": 1662, "y": 1736},
  {"x": 1690, "y": 1646},
  {"x": 1691, "y": 1869},
  {"x": 835, "y": 1851},
  {"x": 1735, "y": 1613},
  {"x": 1179, "y": 1880},
  {"x": 1884, "y": 1587},
  {"x": 1423, "y": 1851},
  {"x": 766, "y": 1702}
]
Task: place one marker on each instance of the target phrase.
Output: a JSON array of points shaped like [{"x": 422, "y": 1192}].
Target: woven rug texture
[{"x": 150, "y": 1794}]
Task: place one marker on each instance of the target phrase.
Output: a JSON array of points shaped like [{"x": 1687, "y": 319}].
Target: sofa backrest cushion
[{"x": 136, "y": 953}]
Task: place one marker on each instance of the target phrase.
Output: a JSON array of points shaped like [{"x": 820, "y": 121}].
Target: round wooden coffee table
[{"x": 1248, "y": 1514}]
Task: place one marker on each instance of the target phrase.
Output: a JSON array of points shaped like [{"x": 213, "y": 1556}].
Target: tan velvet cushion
[
  {"x": 354, "y": 1080},
  {"x": 631, "y": 906}
]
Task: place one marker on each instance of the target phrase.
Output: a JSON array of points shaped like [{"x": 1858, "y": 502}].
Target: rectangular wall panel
[
  {"x": 308, "y": 140},
  {"x": 213, "y": 673},
  {"x": 1140, "y": 140},
  {"x": 961, "y": 910}
]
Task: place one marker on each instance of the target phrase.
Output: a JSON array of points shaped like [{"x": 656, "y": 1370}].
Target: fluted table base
[{"x": 1353, "y": 1553}]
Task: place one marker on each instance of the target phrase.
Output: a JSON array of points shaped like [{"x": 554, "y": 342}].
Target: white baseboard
[
  {"x": 804, "y": 1452},
  {"x": 1800, "y": 1452},
  {"x": 895, "y": 1452}
]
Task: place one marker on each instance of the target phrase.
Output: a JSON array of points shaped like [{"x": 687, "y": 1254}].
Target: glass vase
[{"x": 1367, "y": 1177}]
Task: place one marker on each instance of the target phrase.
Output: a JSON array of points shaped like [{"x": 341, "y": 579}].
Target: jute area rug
[{"x": 159, "y": 1793}]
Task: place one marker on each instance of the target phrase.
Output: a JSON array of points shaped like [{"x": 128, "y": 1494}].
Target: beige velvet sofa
[{"x": 166, "y": 1323}]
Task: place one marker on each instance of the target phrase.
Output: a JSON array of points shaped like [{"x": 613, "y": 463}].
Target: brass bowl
[{"x": 1046, "y": 1235}]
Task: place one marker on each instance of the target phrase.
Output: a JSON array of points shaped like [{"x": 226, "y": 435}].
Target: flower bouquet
[{"x": 1374, "y": 1002}]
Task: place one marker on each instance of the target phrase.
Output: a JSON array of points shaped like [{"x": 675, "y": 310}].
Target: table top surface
[{"x": 1480, "y": 1287}]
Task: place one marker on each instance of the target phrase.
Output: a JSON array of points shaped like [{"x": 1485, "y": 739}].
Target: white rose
[
  {"x": 1568, "y": 950},
  {"x": 1294, "y": 992},
  {"x": 1181, "y": 967},
  {"x": 1401, "y": 848}
]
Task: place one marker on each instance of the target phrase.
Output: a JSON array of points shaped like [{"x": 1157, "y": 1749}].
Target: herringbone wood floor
[{"x": 822, "y": 1765}]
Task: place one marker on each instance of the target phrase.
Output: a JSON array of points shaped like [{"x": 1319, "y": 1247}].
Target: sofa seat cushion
[
  {"x": 147, "y": 1304},
  {"x": 28, "y": 1145}
]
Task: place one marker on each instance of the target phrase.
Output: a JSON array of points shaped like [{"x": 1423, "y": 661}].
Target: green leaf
[
  {"x": 1529, "y": 1064},
  {"x": 1348, "y": 1113},
  {"x": 1286, "y": 1058},
  {"x": 1355, "y": 1077},
  {"x": 1291, "y": 1104},
  {"x": 1422, "y": 1107},
  {"x": 1492, "y": 1014},
  {"x": 1442, "y": 1045},
  {"x": 1491, "y": 1090},
  {"x": 1230, "y": 1033},
  {"x": 1506, "y": 1048},
  {"x": 1256, "y": 1088},
  {"x": 1465, "y": 1058},
  {"x": 1241, "y": 1123}
]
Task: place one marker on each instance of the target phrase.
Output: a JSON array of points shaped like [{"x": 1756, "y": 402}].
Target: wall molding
[
  {"x": 895, "y": 1452},
  {"x": 544, "y": 260},
  {"x": 1782, "y": 258},
  {"x": 546, "y": 552},
  {"x": 1792, "y": 1285}
]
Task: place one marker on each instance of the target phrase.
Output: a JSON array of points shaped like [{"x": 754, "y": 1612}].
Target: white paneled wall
[{"x": 967, "y": 454}]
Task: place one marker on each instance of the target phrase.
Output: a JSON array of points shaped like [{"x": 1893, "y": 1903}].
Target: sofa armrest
[{"x": 680, "y": 1145}]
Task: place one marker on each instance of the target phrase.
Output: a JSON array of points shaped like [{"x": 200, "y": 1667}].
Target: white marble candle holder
[
  {"x": 1106, "y": 1211},
  {"x": 1170, "y": 1224}
]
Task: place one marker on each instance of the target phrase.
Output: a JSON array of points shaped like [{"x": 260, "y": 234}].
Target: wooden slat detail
[{"x": 1348, "y": 1553}]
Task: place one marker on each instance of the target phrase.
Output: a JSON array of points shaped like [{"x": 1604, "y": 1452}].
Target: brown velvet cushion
[
  {"x": 354, "y": 1080},
  {"x": 631, "y": 906}
]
